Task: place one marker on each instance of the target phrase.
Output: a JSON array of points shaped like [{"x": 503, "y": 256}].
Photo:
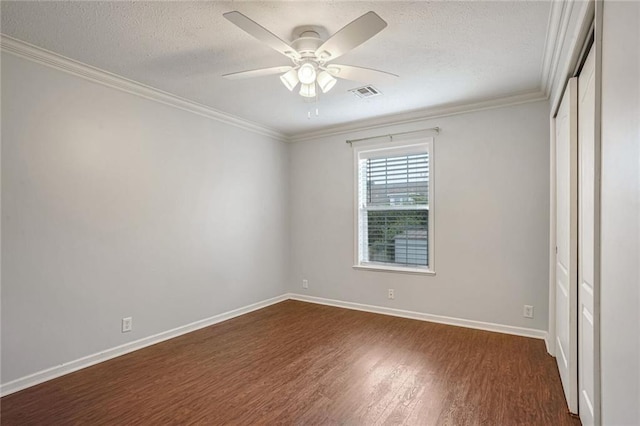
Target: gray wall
[
  {"x": 114, "y": 206},
  {"x": 620, "y": 221},
  {"x": 491, "y": 220}
]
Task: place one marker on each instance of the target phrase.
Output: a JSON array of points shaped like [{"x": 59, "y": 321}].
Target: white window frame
[{"x": 364, "y": 150}]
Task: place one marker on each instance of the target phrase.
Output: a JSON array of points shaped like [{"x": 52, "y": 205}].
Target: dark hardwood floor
[{"x": 305, "y": 364}]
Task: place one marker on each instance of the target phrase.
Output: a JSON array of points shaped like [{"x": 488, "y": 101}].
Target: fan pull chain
[
  {"x": 317, "y": 110},
  {"x": 317, "y": 114}
]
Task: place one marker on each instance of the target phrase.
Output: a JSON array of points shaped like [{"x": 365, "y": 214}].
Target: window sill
[{"x": 396, "y": 269}]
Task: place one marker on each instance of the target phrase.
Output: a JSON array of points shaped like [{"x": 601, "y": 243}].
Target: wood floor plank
[{"x": 304, "y": 364}]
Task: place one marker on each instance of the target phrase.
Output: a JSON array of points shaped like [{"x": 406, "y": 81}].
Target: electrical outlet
[
  {"x": 127, "y": 324},
  {"x": 305, "y": 283},
  {"x": 392, "y": 293},
  {"x": 528, "y": 311}
]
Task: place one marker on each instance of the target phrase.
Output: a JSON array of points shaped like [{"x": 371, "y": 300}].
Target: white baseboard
[
  {"x": 547, "y": 343},
  {"x": 78, "y": 364},
  {"x": 87, "y": 361},
  {"x": 479, "y": 325}
]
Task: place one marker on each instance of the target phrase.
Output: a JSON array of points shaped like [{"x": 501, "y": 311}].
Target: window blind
[
  {"x": 398, "y": 180},
  {"x": 394, "y": 209}
]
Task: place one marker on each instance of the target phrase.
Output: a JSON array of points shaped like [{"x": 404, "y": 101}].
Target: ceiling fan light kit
[
  {"x": 310, "y": 53},
  {"x": 307, "y": 73},
  {"x": 308, "y": 90},
  {"x": 290, "y": 79},
  {"x": 326, "y": 81}
]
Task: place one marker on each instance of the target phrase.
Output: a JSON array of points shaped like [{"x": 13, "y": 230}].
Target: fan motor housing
[{"x": 307, "y": 39}]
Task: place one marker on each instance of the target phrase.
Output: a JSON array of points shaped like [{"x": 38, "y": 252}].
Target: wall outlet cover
[
  {"x": 127, "y": 324},
  {"x": 528, "y": 311}
]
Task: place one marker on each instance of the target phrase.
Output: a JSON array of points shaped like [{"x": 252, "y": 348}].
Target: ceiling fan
[{"x": 311, "y": 53}]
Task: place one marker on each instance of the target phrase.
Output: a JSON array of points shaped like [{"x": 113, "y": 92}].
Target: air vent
[{"x": 365, "y": 92}]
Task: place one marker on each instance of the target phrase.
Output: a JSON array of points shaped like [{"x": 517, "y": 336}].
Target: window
[{"x": 394, "y": 197}]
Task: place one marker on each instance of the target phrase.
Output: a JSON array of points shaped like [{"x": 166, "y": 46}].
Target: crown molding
[
  {"x": 45, "y": 57},
  {"x": 561, "y": 15},
  {"x": 569, "y": 23},
  {"x": 579, "y": 19},
  {"x": 557, "y": 28},
  {"x": 421, "y": 115}
]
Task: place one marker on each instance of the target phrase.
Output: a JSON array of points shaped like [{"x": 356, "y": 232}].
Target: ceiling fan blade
[
  {"x": 363, "y": 75},
  {"x": 256, "y": 73},
  {"x": 261, "y": 33},
  {"x": 350, "y": 36}
]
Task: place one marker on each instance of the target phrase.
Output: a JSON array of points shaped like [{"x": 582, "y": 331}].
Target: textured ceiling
[{"x": 444, "y": 52}]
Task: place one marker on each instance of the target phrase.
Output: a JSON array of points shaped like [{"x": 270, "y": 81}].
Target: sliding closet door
[
  {"x": 566, "y": 126},
  {"x": 587, "y": 241}
]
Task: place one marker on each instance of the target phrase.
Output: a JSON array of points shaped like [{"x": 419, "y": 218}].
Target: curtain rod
[{"x": 391, "y": 135}]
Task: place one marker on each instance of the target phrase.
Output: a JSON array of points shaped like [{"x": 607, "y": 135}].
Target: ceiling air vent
[{"x": 365, "y": 92}]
